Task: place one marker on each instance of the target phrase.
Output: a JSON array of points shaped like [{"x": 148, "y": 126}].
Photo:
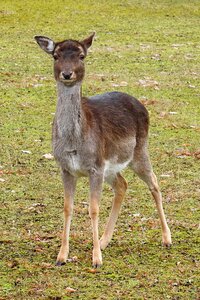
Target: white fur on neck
[
  {"x": 68, "y": 112},
  {"x": 67, "y": 89}
]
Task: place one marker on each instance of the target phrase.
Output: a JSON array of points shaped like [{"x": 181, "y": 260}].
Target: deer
[{"x": 97, "y": 137}]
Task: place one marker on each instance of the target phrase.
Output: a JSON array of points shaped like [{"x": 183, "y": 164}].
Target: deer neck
[{"x": 69, "y": 116}]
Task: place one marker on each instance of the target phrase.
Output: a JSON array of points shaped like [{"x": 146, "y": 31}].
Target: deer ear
[
  {"x": 45, "y": 43},
  {"x": 88, "y": 41}
]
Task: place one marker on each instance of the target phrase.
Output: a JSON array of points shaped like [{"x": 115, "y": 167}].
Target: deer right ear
[
  {"x": 88, "y": 41},
  {"x": 45, "y": 43}
]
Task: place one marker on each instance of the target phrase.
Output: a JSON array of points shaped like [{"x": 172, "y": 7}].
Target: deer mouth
[{"x": 68, "y": 81}]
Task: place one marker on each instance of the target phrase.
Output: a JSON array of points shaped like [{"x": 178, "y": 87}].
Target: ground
[{"x": 149, "y": 49}]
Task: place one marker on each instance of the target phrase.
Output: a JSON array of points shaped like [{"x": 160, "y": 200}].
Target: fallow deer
[{"x": 97, "y": 137}]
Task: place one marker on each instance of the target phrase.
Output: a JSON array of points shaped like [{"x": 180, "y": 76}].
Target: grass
[{"x": 149, "y": 49}]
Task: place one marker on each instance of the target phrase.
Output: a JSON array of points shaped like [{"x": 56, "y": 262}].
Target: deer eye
[
  {"x": 55, "y": 56},
  {"x": 81, "y": 56}
]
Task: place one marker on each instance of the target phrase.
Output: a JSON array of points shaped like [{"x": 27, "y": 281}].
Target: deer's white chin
[{"x": 68, "y": 82}]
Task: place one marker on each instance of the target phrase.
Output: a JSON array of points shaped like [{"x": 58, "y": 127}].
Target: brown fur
[{"x": 97, "y": 137}]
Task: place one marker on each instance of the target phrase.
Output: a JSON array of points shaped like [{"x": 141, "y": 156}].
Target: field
[{"x": 149, "y": 49}]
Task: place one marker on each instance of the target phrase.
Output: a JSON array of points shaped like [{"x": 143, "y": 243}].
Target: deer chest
[{"x": 74, "y": 161}]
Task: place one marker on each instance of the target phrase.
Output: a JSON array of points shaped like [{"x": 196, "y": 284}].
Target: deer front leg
[
  {"x": 95, "y": 194},
  {"x": 69, "y": 183}
]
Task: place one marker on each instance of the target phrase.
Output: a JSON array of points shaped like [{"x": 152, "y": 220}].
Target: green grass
[{"x": 152, "y": 46}]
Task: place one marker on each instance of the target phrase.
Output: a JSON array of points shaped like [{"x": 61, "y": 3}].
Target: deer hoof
[
  {"x": 167, "y": 245},
  {"x": 60, "y": 263},
  {"x": 97, "y": 260},
  {"x": 96, "y": 265},
  {"x": 166, "y": 239}
]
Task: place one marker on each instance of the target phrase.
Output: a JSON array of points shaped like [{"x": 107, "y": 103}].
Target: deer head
[{"x": 68, "y": 57}]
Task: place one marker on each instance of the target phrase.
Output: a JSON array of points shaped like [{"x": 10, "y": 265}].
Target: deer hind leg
[
  {"x": 69, "y": 183},
  {"x": 119, "y": 186},
  {"x": 142, "y": 166}
]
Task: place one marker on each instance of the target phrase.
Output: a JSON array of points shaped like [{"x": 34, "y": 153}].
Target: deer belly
[{"x": 112, "y": 168}]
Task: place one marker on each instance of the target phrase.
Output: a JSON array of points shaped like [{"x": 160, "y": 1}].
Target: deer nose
[{"x": 67, "y": 75}]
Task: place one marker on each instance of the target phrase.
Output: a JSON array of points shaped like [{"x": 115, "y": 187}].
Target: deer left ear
[
  {"x": 88, "y": 41},
  {"x": 45, "y": 43}
]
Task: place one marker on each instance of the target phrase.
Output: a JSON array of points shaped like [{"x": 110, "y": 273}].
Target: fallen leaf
[
  {"x": 177, "y": 45},
  {"x": 189, "y": 56},
  {"x": 123, "y": 83},
  {"x": 48, "y": 156},
  {"x": 26, "y": 151},
  {"x": 85, "y": 203},
  {"x": 17, "y": 281},
  {"x": 46, "y": 265},
  {"x": 173, "y": 113},
  {"x": 136, "y": 215},
  {"x": 37, "y": 85},
  {"x": 146, "y": 101},
  {"x": 36, "y": 207},
  {"x": 162, "y": 114},
  {"x": 149, "y": 83},
  {"x": 183, "y": 153},
  {"x": 70, "y": 290},
  {"x": 13, "y": 264},
  {"x": 156, "y": 56},
  {"x": 174, "y": 125},
  {"x": 93, "y": 271},
  {"x": 165, "y": 175},
  {"x": 145, "y": 46},
  {"x": 197, "y": 154},
  {"x": 39, "y": 250},
  {"x": 73, "y": 259},
  {"x": 38, "y": 204}
]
